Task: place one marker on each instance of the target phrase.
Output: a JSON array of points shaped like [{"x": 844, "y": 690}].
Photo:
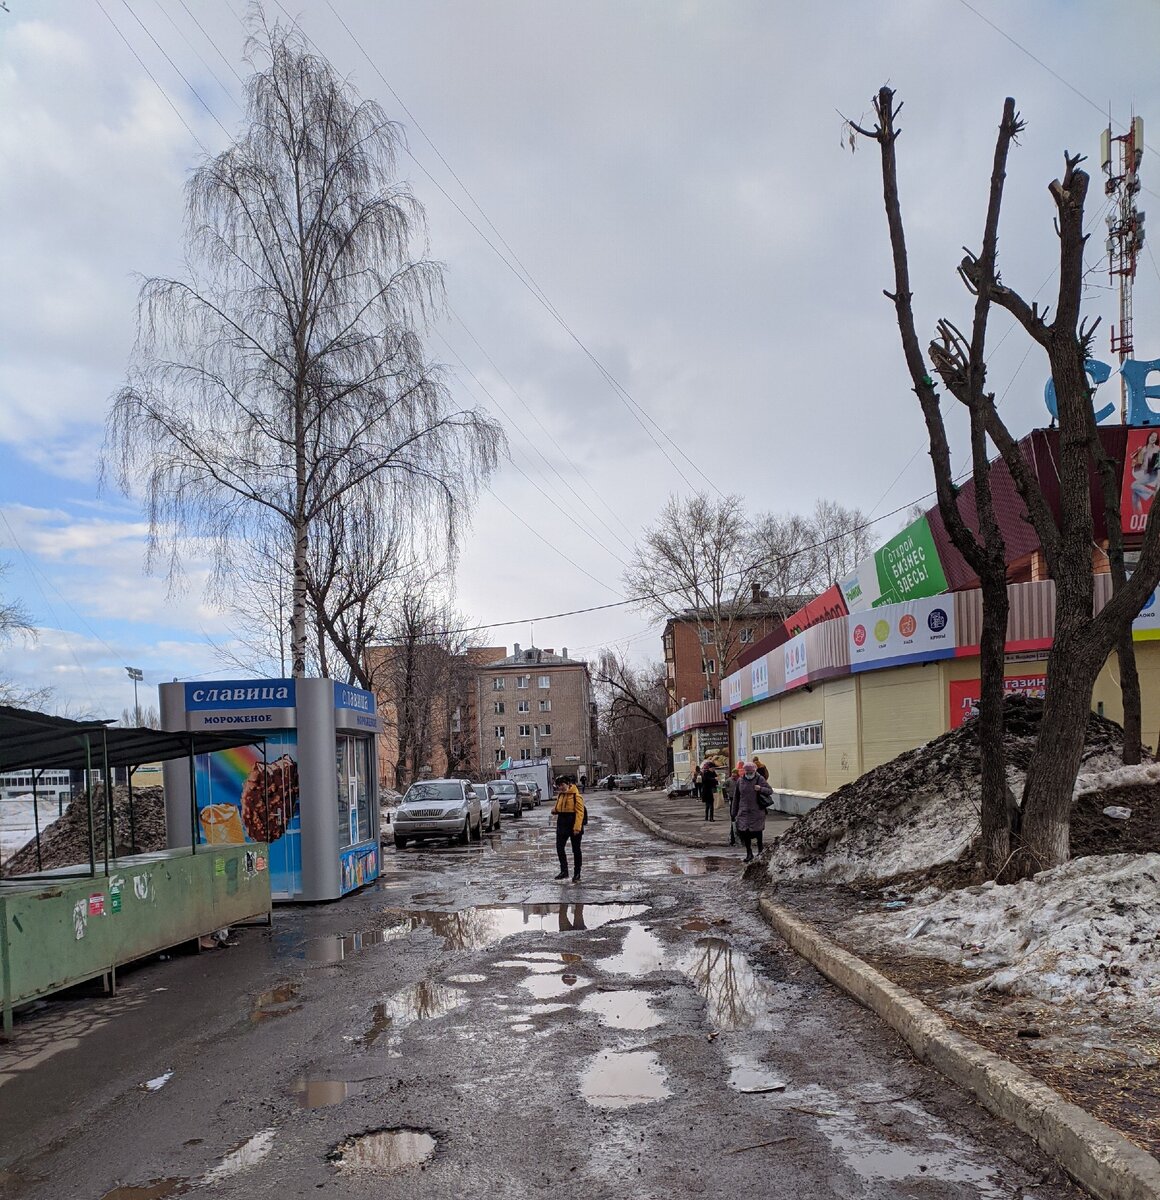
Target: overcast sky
[{"x": 669, "y": 175}]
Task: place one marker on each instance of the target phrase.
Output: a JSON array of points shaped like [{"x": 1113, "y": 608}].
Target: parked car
[
  {"x": 438, "y": 808},
  {"x": 510, "y": 798},
  {"x": 488, "y": 805},
  {"x": 530, "y": 793},
  {"x": 630, "y": 783}
]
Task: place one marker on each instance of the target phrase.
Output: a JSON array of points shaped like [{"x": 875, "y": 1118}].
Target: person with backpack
[
  {"x": 571, "y": 817},
  {"x": 708, "y": 787},
  {"x": 750, "y": 800}
]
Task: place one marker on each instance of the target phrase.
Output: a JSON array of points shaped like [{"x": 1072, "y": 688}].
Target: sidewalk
[{"x": 681, "y": 819}]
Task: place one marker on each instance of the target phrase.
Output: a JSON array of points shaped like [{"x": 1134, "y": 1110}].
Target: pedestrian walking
[
  {"x": 708, "y": 787},
  {"x": 748, "y": 809},
  {"x": 583, "y": 783},
  {"x": 729, "y": 791},
  {"x": 762, "y": 769},
  {"x": 571, "y": 817}
]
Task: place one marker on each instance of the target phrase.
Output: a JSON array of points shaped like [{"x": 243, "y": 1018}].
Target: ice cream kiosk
[{"x": 307, "y": 785}]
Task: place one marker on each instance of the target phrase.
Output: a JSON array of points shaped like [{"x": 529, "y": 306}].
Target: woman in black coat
[{"x": 707, "y": 787}]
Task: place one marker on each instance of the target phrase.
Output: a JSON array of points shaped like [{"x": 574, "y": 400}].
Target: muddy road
[{"x": 470, "y": 1027}]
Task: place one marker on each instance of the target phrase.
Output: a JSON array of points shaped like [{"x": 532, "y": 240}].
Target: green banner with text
[{"x": 908, "y": 566}]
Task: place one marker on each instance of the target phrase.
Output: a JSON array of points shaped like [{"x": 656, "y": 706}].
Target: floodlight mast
[{"x": 1125, "y": 231}]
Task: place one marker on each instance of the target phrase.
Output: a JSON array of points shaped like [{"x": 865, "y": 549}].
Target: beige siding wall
[
  {"x": 1107, "y": 691},
  {"x": 795, "y": 770},
  {"x": 901, "y": 709},
  {"x": 840, "y": 733}
]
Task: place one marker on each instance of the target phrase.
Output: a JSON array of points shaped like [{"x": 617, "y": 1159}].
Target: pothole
[
  {"x": 624, "y": 1079},
  {"x": 545, "y": 987},
  {"x": 752, "y": 1080},
  {"x": 322, "y": 1093},
  {"x": 385, "y": 1150},
  {"x": 484, "y": 925},
  {"x": 622, "y": 1010},
  {"x": 736, "y": 996},
  {"x": 276, "y": 1002},
  {"x": 689, "y": 865},
  {"x": 468, "y": 978},
  {"x": 335, "y": 948},
  {"x": 245, "y": 1154}
]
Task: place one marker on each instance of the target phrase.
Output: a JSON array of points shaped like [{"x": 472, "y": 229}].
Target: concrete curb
[
  {"x": 678, "y": 839},
  {"x": 1092, "y": 1153}
]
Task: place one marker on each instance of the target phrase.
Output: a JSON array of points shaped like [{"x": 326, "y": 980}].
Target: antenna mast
[{"x": 1125, "y": 231}]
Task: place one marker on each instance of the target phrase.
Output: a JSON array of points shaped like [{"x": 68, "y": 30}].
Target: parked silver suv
[{"x": 438, "y": 808}]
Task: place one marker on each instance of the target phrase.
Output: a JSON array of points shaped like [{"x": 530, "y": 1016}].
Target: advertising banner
[
  {"x": 861, "y": 590},
  {"x": 964, "y": 693},
  {"x": 1146, "y": 626},
  {"x": 355, "y": 708},
  {"x": 796, "y": 662},
  {"x": 731, "y": 693},
  {"x": 908, "y": 566},
  {"x": 917, "y": 631},
  {"x": 825, "y": 607},
  {"x": 759, "y": 678},
  {"x": 1141, "y": 478},
  {"x": 243, "y": 797}
]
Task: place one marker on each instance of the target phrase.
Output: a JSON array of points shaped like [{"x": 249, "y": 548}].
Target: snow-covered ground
[
  {"x": 17, "y": 828},
  {"x": 1083, "y": 933}
]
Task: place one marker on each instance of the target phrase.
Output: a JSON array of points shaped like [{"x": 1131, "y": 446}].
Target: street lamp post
[{"x": 136, "y": 676}]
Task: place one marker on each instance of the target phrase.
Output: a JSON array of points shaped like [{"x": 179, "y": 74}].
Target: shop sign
[
  {"x": 796, "y": 665},
  {"x": 1146, "y": 627},
  {"x": 1141, "y": 478},
  {"x": 355, "y": 708},
  {"x": 917, "y": 631},
  {"x": 713, "y": 739},
  {"x": 241, "y": 704},
  {"x": 964, "y": 693},
  {"x": 759, "y": 678},
  {"x": 908, "y": 566},
  {"x": 824, "y": 607}
]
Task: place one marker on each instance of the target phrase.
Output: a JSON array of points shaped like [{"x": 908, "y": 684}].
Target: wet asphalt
[{"x": 471, "y": 1027}]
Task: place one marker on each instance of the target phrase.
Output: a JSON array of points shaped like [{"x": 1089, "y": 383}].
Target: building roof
[{"x": 533, "y": 656}]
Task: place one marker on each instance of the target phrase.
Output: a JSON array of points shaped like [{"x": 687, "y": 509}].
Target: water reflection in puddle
[
  {"x": 544, "y": 987},
  {"x": 155, "y": 1189},
  {"x": 640, "y": 953},
  {"x": 245, "y": 1154},
  {"x": 622, "y": 1010},
  {"x": 622, "y": 1079},
  {"x": 322, "y": 1093},
  {"x": 337, "y": 947},
  {"x": 737, "y": 998},
  {"x": 386, "y": 1150},
  {"x": 482, "y": 926},
  {"x": 276, "y": 1002},
  {"x": 701, "y": 866},
  {"x": 380, "y": 1023}
]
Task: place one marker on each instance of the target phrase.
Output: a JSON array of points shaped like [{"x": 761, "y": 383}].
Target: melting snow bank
[{"x": 1083, "y": 933}]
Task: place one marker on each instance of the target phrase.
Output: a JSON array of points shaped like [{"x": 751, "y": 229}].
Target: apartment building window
[
  {"x": 499, "y": 708},
  {"x": 522, "y": 681},
  {"x": 525, "y": 731},
  {"x": 524, "y": 706},
  {"x": 545, "y": 681},
  {"x": 500, "y": 731},
  {"x": 793, "y": 737},
  {"x": 545, "y": 751},
  {"x": 497, "y": 684},
  {"x": 545, "y": 730},
  {"x": 706, "y": 636},
  {"x": 709, "y": 666},
  {"x": 545, "y": 706},
  {"x": 706, "y": 693},
  {"x": 525, "y": 754},
  {"x": 499, "y": 756},
  {"x": 457, "y": 721},
  {"x": 745, "y": 637}
]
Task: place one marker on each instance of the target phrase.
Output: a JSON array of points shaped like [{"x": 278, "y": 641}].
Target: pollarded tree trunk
[{"x": 995, "y": 815}]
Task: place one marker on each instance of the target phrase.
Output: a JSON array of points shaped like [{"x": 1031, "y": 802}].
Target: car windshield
[
  {"x": 504, "y": 788},
  {"x": 480, "y": 789},
  {"x": 436, "y": 789}
]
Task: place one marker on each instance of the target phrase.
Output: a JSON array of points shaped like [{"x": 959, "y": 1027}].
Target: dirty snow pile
[
  {"x": 1084, "y": 932},
  {"x": 921, "y": 809}
]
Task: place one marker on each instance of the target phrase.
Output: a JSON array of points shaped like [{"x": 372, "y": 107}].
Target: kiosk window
[{"x": 353, "y": 757}]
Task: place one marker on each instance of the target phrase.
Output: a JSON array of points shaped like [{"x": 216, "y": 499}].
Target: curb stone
[
  {"x": 678, "y": 839},
  {"x": 1092, "y": 1153}
]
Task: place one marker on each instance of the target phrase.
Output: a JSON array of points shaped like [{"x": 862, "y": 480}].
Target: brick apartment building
[
  {"x": 693, "y": 666},
  {"x": 536, "y": 704}
]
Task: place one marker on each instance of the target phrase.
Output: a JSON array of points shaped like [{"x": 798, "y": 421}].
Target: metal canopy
[{"x": 35, "y": 740}]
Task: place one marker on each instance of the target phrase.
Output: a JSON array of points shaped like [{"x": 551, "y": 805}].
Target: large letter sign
[{"x": 1098, "y": 372}]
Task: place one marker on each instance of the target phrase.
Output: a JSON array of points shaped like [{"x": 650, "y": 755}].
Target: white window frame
[
  {"x": 709, "y": 666},
  {"x": 524, "y": 706},
  {"x": 497, "y": 684},
  {"x": 545, "y": 681},
  {"x": 545, "y": 706},
  {"x": 522, "y": 681},
  {"x": 545, "y": 731},
  {"x": 807, "y": 736},
  {"x": 705, "y": 636},
  {"x": 500, "y": 731},
  {"x": 525, "y": 731},
  {"x": 745, "y": 637},
  {"x": 525, "y": 754},
  {"x": 499, "y": 709}
]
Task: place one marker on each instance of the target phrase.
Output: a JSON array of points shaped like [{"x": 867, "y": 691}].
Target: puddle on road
[
  {"x": 322, "y": 1093},
  {"x": 385, "y": 1150},
  {"x": 696, "y": 925},
  {"x": 483, "y": 926},
  {"x": 736, "y": 996},
  {"x": 337, "y": 947},
  {"x": 752, "y": 1079},
  {"x": 640, "y": 953},
  {"x": 623, "y": 1079},
  {"x": 468, "y": 978},
  {"x": 245, "y": 1154},
  {"x": 545, "y": 987},
  {"x": 276, "y": 1002},
  {"x": 622, "y": 1010},
  {"x": 155, "y": 1189},
  {"x": 571, "y": 958},
  {"x": 536, "y": 967},
  {"x": 708, "y": 865},
  {"x": 380, "y": 1023}
]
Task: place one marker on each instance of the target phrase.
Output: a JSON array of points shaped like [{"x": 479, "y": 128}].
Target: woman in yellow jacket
[{"x": 570, "y": 820}]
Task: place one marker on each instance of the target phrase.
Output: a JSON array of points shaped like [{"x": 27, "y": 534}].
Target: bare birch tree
[{"x": 286, "y": 370}]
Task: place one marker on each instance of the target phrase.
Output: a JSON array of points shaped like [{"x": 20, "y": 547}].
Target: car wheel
[
  {"x": 477, "y": 834},
  {"x": 519, "y": 809},
  {"x": 400, "y": 842},
  {"x": 465, "y": 832}
]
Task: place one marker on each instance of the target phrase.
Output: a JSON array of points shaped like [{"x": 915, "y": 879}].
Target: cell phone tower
[{"x": 1125, "y": 230}]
